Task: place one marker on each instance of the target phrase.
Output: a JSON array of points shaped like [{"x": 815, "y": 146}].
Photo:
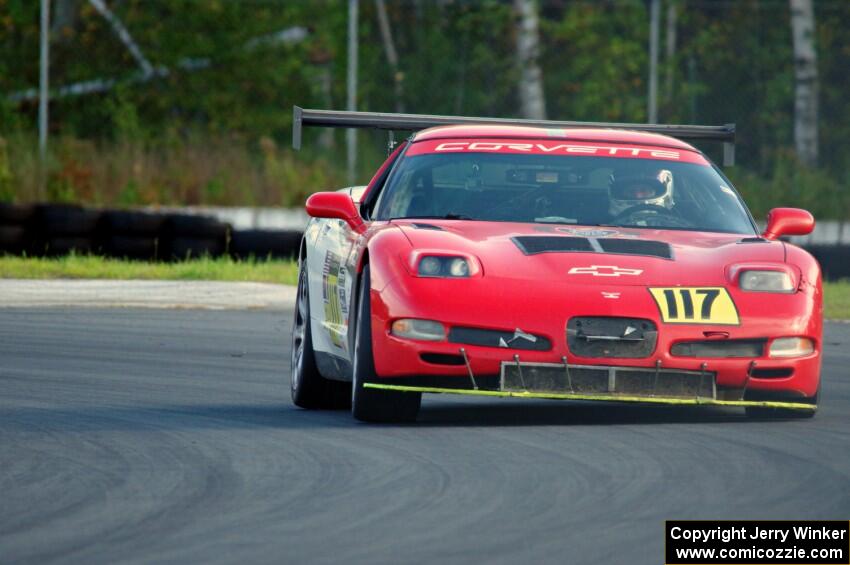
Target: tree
[
  {"x": 392, "y": 54},
  {"x": 532, "y": 101},
  {"x": 805, "y": 81}
]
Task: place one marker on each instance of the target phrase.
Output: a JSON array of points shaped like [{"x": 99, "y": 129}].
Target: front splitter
[{"x": 696, "y": 401}]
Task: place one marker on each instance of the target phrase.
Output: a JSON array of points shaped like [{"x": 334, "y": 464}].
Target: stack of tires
[
  {"x": 265, "y": 244},
  {"x": 60, "y": 229},
  {"x": 15, "y": 228},
  {"x": 834, "y": 260},
  {"x": 188, "y": 237},
  {"x": 130, "y": 234}
]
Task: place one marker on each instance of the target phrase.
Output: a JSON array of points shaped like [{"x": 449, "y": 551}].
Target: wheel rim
[{"x": 299, "y": 330}]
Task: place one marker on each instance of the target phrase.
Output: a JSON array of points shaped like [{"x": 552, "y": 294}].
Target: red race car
[{"x": 605, "y": 262}]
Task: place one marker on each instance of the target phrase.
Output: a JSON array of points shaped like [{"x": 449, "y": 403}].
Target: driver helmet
[{"x": 654, "y": 188}]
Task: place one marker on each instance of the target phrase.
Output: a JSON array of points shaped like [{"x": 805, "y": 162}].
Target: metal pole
[
  {"x": 671, "y": 49},
  {"x": 654, "y": 25},
  {"x": 43, "y": 81},
  {"x": 351, "y": 134}
]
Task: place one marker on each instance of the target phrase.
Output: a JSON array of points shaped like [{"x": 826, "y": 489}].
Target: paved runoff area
[
  {"x": 144, "y": 294},
  {"x": 162, "y": 435}
]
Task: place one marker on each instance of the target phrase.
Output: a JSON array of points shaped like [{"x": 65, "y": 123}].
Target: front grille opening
[
  {"x": 441, "y": 359},
  {"x": 731, "y": 348},
  {"x": 614, "y": 337},
  {"x": 777, "y": 373}
]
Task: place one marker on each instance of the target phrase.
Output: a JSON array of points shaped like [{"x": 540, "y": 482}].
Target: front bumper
[{"x": 544, "y": 309}]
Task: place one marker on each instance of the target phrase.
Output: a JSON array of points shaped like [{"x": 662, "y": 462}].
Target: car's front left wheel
[
  {"x": 308, "y": 387},
  {"x": 369, "y": 404}
]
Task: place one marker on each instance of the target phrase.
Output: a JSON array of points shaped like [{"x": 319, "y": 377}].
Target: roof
[{"x": 575, "y": 134}]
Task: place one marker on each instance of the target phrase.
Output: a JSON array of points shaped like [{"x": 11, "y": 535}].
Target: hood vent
[
  {"x": 421, "y": 226},
  {"x": 532, "y": 245}
]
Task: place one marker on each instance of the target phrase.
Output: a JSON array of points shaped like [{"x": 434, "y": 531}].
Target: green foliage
[
  {"x": 790, "y": 184},
  {"x": 214, "y": 128},
  {"x": 124, "y": 116},
  {"x": 598, "y": 59}
]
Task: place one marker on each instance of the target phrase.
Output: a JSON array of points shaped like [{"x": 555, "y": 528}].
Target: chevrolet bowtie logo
[{"x": 604, "y": 271}]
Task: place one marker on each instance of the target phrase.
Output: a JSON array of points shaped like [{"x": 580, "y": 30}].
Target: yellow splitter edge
[{"x": 609, "y": 398}]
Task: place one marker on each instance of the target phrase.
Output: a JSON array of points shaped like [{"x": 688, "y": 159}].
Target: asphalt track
[{"x": 168, "y": 436}]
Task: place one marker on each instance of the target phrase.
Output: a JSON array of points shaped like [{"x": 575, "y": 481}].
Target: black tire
[
  {"x": 129, "y": 222},
  {"x": 64, "y": 245},
  {"x": 181, "y": 248},
  {"x": 196, "y": 227},
  {"x": 834, "y": 260},
  {"x": 308, "y": 387},
  {"x": 265, "y": 243},
  {"x": 54, "y": 220},
  {"x": 15, "y": 213},
  {"x": 13, "y": 239},
  {"x": 368, "y": 404},
  {"x": 131, "y": 247},
  {"x": 764, "y": 413}
]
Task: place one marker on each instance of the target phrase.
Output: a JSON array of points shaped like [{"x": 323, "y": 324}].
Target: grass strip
[{"x": 93, "y": 267}]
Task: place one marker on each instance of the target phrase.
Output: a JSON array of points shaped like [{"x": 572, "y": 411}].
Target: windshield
[{"x": 563, "y": 189}]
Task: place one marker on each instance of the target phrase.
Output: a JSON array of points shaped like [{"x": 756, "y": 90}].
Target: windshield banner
[{"x": 555, "y": 147}]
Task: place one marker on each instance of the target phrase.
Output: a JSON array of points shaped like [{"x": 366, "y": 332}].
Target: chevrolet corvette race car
[{"x": 564, "y": 260}]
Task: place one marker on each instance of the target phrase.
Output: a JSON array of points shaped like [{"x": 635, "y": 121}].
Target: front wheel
[
  {"x": 308, "y": 387},
  {"x": 369, "y": 404}
]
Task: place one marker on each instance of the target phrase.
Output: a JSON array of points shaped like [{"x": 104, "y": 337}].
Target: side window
[
  {"x": 399, "y": 205},
  {"x": 376, "y": 185}
]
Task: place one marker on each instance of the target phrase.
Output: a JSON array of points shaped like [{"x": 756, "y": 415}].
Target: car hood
[{"x": 593, "y": 255}]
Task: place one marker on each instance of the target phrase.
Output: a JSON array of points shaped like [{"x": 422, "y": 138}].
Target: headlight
[
  {"x": 437, "y": 266},
  {"x": 458, "y": 267},
  {"x": 766, "y": 281},
  {"x": 430, "y": 266},
  {"x": 791, "y": 347},
  {"x": 427, "y": 330}
]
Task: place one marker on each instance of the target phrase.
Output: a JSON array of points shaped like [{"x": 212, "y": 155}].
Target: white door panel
[{"x": 330, "y": 286}]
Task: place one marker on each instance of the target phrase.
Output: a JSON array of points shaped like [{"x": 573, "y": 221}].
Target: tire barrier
[
  {"x": 57, "y": 229},
  {"x": 277, "y": 244},
  {"x": 190, "y": 237},
  {"x": 127, "y": 234},
  {"x": 51, "y": 230},
  {"x": 15, "y": 222},
  {"x": 834, "y": 260}
]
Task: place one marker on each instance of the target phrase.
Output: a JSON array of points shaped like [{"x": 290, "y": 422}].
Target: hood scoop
[{"x": 532, "y": 245}]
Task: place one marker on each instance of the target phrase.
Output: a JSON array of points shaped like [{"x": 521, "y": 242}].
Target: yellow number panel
[{"x": 695, "y": 305}]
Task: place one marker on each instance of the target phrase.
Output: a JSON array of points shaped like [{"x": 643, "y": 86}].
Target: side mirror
[
  {"x": 337, "y": 205},
  {"x": 788, "y": 221}
]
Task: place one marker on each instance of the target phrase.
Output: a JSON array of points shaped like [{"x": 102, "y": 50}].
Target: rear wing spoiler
[{"x": 304, "y": 117}]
